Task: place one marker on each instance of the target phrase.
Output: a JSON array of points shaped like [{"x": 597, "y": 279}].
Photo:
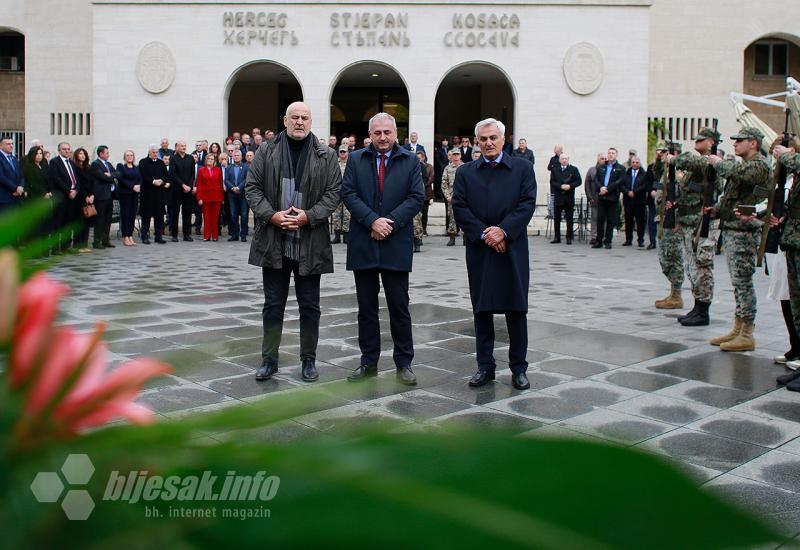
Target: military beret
[
  {"x": 748, "y": 132},
  {"x": 455, "y": 151},
  {"x": 343, "y": 148},
  {"x": 707, "y": 133}
]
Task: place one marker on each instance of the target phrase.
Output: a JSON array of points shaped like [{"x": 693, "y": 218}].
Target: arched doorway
[
  {"x": 361, "y": 91},
  {"x": 258, "y": 95},
  {"x": 767, "y": 63},
  {"x": 469, "y": 93},
  {"x": 12, "y": 82}
]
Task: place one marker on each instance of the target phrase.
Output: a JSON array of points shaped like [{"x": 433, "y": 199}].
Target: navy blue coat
[
  {"x": 505, "y": 197},
  {"x": 403, "y": 194},
  {"x": 10, "y": 178}
]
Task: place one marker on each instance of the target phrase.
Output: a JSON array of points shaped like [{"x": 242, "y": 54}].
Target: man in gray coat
[{"x": 293, "y": 188}]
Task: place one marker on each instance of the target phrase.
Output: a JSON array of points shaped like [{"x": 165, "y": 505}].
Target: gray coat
[{"x": 323, "y": 179}]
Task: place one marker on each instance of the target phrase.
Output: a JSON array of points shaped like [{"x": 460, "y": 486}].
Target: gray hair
[
  {"x": 382, "y": 116},
  {"x": 488, "y": 121},
  {"x": 152, "y": 147},
  {"x": 563, "y": 155}
]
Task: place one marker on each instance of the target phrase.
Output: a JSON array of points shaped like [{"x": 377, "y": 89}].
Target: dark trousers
[
  {"x": 517, "y": 325},
  {"x": 794, "y": 338},
  {"x": 276, "y": 291},
  {"x": 567, "y": 210},
  {"x": 652, "y": 228},
  {"x": 634, "y": 213},
  {"x": 395, "y": 287},
  {"x": 198, "y": 217},
  {"x": 158, "y": 222},
  {"x": 102, "y": 222},
  {"x": 606, "y": 219},
  {"x": 240, "y": 215},
  {"x": 181, "y": 208},
  {"x": 128, "y": 204},
  {"x": 68, "y": 222}
]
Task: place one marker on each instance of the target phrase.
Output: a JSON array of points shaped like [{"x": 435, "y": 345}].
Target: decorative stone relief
[
  {"x": 583, "y": 68},
  {"x": 155, "y": 67}
]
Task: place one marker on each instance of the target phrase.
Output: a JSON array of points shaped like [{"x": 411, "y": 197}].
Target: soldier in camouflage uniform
[
  {"x": 689, "y": 204},
  {"x": 341, "y": 216},
  {"x": 448, "y": 179},
  {"x": 748, "y": 183},
  {"x": 418, "y": 231},
  {"x": 790, "y": 241},
  {"x": 670, "y": 249}
]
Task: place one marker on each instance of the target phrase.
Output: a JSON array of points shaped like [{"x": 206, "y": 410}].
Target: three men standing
[
  {"x": 493, "y": 201},
  {"x": 293, "y": 188}
]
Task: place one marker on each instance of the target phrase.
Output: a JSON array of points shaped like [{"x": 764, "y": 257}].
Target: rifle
[
  {"x": 708, "y": 197},
  {"x": 668, "y": 220},
  {"x": 771, "y": 236}
]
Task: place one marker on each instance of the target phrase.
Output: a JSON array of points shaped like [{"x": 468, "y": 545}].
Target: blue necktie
[
  {"x": 608, "y": 175},
  {"x": 633, "y": 179},
  {"x": 11, "y": 162}
]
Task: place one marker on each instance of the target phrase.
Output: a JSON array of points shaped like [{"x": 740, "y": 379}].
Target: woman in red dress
[{"x": 210, "y": 192}]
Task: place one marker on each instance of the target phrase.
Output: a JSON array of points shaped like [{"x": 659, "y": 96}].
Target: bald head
[{"x": 297, "y": 120}]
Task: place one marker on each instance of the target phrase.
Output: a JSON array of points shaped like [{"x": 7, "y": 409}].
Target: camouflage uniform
[
  {"x": 670, "y": 249},
  {"x": 749, "y": 182},
  {"x": 418, "y": 226},
  {"x": 341, "y": 216},
  {"x": 790, "y": 239},
  {"x": 448, "y": 178},
  {"x": 699, "y": 264}
]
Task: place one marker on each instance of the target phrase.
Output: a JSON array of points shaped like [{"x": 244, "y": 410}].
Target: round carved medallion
[
  {"x": 155, "y": 67},
  {"x": 583, "y": 68}
]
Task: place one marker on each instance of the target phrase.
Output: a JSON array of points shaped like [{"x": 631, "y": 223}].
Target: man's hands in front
[
  {"x": 290, "y": 219},
  {"x": 496, "y": 238},
  {"x": 381, "y": 228}
]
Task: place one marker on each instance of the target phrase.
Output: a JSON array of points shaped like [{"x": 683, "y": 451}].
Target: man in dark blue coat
[
  {"x": 382, "y": 188},
  {"x": 12, "y": 182},
  {"x": 493, "y": 201}
]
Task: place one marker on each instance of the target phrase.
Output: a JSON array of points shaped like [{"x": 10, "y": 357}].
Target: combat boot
[
  {"x": 452, "y": 241},
  {"x": 737, "y": 326},
  {"x": 744, "y": 341},
  {"x": 692, "y": 313},
  {"x": 700, "y": 317},
  {"x": 673, "y": 301}
]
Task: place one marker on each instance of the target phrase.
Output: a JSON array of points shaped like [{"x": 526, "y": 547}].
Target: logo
[{"x": 48, "y": 487}]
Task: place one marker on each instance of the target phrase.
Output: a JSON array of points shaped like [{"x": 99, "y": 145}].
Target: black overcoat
[
  {"x": 152, "y": 198},
  {"x": 502, "y": 196}
]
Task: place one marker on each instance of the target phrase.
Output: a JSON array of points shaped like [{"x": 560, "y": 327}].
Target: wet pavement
[{"x": 604, "y": 363}]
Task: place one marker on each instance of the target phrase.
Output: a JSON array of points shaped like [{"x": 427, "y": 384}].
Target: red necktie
[
  {"x": 382, "y": 172},
  {"x": 492, "y": 163}
]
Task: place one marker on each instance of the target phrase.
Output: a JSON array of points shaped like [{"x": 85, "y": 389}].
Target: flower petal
[{"x": 9, "y": 283}]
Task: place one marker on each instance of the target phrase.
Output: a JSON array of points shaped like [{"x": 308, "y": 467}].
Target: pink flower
[{"x": 63, "y": 373}]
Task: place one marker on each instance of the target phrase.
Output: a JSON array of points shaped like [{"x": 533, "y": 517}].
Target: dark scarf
[{"x": 294, "y": 159}]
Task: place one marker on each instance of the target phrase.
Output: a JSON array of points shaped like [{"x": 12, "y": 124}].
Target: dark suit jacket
[
  {"x": 100, "y": 182},
  {"x": 570, "y": 176},
  {"x": 182, "y": 172},
  {"x": 10, "y": 178},
  {"x": 401, "y": 200},
  {"x": 639, "y": 187},
  {"x": 152, "y": 198},
  {"x": 527, "y": 155},
  {"x": 466, "y": 154},
  {"x": 503, "y": 196},
  {"x": 231, "y": 181},
  {"x": 60, "y": 183},
  {"x": 614, "y": 181},
  {"x": 407, "y": 147}
]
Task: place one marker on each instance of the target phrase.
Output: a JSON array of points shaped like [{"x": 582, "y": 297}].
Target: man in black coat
[
  {"x": 382, "y": 188},
  {"x": 154, "y": 179},
  {"x": 466, "y": 149},
  {"x": 440, "y": 160},
  {"x": 523, "y": 152},
  {"x": 493, "y": 202},
  {"x": 183, "y": 200},
  {"x": 563, "y": 181},
  {"x": 12, "y": 181},
  {"x": 634, "y": 200},
  {"x": 608, "y": 181},
  {"x": 555, "y": 161},
  {"x": 68, "y": 195},
  {"x": 104, "y": 181}
]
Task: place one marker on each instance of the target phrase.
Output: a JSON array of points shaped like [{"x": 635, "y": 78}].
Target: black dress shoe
[
  {"x": 197, "y": 231},
  {"x": 641, "y": 245},
  {"x": 651, "y": 246},
  {"x": 109, "y": 245},
  {"x": 608, "y": 246},
  {"x": 555, "y": 241},
  {"x": 174, "y": 239},
  {"x": 309, "y": 371},
  {"x": 159, "y": 240},
  {"x": 362, "y": 373},
  {"x": 597, "y": 245},
  {"x": 481, "y": 378},
  {"x": 244, "y": 239},
  {"x": 188, "y": 238},
  {"x": 520, "y": 381},
  {"x": 626, "y": 244},
  {"x": 266, "y": 370},
  {"x": 569, "y": 241},
  {"x": 233, "y": 238},
  {"x": 98, "y": 246},
  {"x": 145, "y": 240},
  {"x": 406, "y": 376},
  {"x": 788, "y": 377}
]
